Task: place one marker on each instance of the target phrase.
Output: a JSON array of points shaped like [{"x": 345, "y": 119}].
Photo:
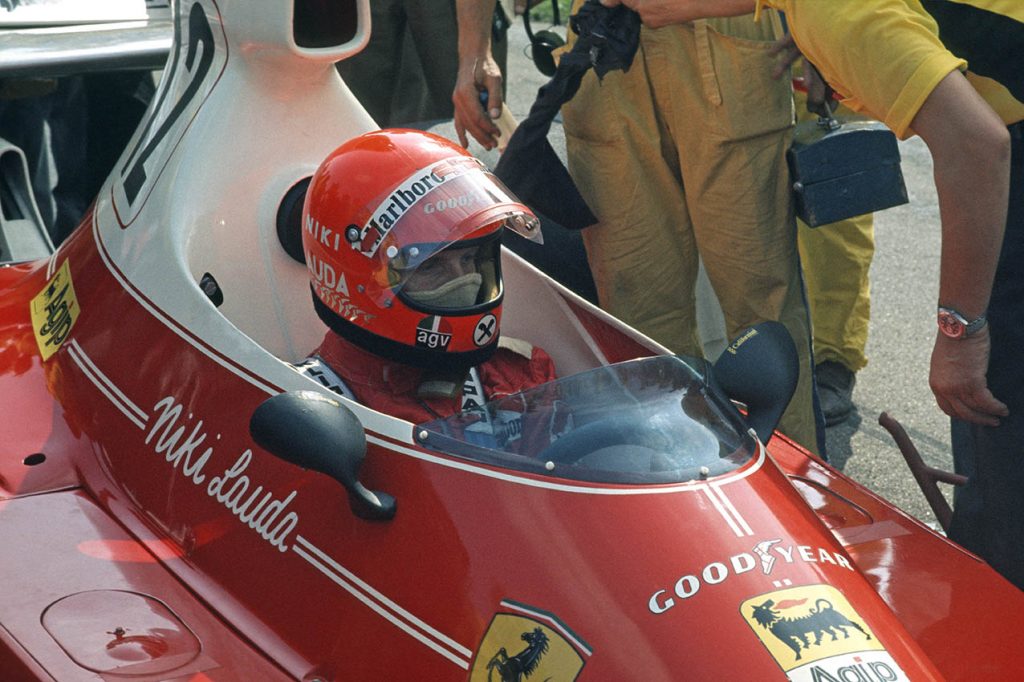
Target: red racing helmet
[{"x": 402, "y": 235}]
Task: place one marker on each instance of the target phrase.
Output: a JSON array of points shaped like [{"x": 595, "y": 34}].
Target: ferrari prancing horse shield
[{"x": 529, "y": 644}]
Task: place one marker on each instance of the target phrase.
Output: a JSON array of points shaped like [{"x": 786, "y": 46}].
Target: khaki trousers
[
  {"x": 682, "y": 156},
  {"x": 836, "y": 259}
]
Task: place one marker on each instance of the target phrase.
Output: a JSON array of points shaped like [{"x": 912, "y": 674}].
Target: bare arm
[
  {"x": 658, "y": 13},
  {"x": 971, "y": 150},
  {"x": 478, "y": 72}
]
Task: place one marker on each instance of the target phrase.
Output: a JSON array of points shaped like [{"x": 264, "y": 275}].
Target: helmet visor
[
  {"x": 454, "y": 200},
  {"x": 459, "y": 278}
]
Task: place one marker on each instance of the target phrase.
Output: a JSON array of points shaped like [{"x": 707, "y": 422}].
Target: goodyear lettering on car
[
  {"x": 763, "y": 558},
  {"x": 815, "y": 635},
  {"x": 54, "y": 312}
]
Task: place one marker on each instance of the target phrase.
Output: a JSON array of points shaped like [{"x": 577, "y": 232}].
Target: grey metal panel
[
  {"x": 53, "y": 52},
  {"x": 23, "y": 235}
]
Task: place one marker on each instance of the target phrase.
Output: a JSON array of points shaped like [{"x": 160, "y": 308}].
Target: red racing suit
[{"x": 390, "y": 387}]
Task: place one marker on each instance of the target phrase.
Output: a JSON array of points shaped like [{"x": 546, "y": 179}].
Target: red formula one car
[{"x": 178, "y": 502}]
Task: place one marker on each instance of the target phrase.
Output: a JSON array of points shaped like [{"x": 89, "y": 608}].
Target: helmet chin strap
[
  {"x": 460, "y": 292},
  {"x": 435, "y": 384}
]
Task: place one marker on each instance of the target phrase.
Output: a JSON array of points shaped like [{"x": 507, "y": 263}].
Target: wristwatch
[{"x": 954, "y": 325}]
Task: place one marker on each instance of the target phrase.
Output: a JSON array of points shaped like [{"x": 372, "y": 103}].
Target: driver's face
[{"x": 442, "y": 268}]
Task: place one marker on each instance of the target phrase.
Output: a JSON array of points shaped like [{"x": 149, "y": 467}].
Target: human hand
[
  {"x": 819, "y": 94},
  {"x": 483, "y": 75},
  {"x": 788, "y": 53},
  {"x": 957, "y": 379}
]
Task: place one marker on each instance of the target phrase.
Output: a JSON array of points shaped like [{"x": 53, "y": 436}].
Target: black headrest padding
[{"x": 289, "y": 220}]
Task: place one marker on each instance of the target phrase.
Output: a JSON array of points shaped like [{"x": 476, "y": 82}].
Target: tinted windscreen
[{"x": 652, "y": 420}]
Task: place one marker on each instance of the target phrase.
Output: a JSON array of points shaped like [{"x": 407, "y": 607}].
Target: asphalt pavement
[{"x": 904, "y": 291}]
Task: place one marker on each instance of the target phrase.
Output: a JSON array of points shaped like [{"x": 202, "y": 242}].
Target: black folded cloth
[{"x": 608, "y": 40}]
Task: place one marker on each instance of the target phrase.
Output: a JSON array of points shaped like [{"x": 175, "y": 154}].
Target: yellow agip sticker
[
  {"x": 815, "y": 635},
  {"x": 54, "y": 312}
]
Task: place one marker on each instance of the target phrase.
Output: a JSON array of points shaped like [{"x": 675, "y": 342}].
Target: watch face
[{"x": 950, "y": 325}]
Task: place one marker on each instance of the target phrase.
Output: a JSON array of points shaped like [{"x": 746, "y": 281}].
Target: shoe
[{"x": 835, "y": 391}]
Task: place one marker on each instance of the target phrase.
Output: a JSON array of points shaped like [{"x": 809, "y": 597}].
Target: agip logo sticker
[
  {"x": 54, "y": 312},
  {"x": 526, "y": 643},
  {"x": 814, "y": 635}
]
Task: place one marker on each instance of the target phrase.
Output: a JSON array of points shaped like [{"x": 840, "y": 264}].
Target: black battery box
[{"x": 844, "y": 169}]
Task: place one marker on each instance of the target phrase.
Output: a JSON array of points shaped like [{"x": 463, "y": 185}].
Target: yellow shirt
[{"x": 884, "y": 57}]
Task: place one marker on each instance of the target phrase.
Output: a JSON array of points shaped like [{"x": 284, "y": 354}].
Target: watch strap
[{"x": 970, "y": 326}]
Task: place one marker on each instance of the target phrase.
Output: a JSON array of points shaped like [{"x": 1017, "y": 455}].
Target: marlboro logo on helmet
[{"x": 407, "y": 195}]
